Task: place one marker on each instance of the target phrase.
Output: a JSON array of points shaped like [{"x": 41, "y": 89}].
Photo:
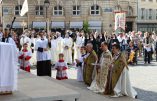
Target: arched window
[
  {"x": 95, "y": 10},
  {"x": 18, "y": 9},
  {"x": 118, "y": 8},
  {"x": 58, "y": 10},
  {"x": 130, "y": 11}
]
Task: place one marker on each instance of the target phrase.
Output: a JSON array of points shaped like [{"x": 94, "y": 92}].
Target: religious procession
[{"x": 102, "y": 59}]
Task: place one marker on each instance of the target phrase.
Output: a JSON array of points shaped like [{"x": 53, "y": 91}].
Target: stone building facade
[
  {"x": 65, "y": 14},
  {"x": 147, "y": 15}
]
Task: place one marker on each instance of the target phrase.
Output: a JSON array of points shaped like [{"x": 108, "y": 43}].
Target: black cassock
[{"x": 43, "y": 58}]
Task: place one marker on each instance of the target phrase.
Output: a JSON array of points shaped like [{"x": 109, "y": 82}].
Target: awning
[
  {"x": 57, "y": 25},
  {"x": 76, "y": 24},
  {"x": 39, "y": 24},
  {"x": 17, "y": 25},
  {"x": 95, "y": 24}
]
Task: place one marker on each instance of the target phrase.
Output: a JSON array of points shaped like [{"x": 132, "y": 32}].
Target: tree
[{"x": 86, "y": 27}]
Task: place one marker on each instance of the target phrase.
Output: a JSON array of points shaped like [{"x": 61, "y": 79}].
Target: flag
[
  {"x": 0, "y": 1},
  {"x": 120, "y": 20},
  {"x": 24, "y": 9}
]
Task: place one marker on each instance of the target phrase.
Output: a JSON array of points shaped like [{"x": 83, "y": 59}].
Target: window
[
  {"x": 142, "y": 13},
  {"x": 39, "y": 10},
  {"x": 76, "y": 10},
  {"x": 150, "y": 14},
  {"x": 18, "y": 9},
  {"x": 130, "y": 11},
  {"x": 58, "y": 10},
  {"x": 95, "y": 10}
]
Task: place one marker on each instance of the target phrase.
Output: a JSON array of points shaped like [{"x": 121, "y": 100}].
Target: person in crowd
[
  {"x": 7, "y": 38},
  {"x": 54, "y": 49},
  {"x": 100, "y": 39},
  {"x": 87, "y": 39},
  {"x": 16, "y": 40},
  {"x": 132, "y": 53},
  {"x": 88, "y": 69},
  {"x": 94, "y": 42},
  {"x": 78, "y": 44},
  {"x": 43, "y": 56},
  {"x": 59, "y": 43},
  {"x": 112, "y": 41},
  {"x": 98, "y": 84},
  {"x": 24, "y": 57},
  {"x": 147, "y": 43},
  {"x": 80, "y": 63},
  {"x": 25, "y": 39},
  {"x": 61, "y": 67},
  {"x": 118, "y": 81},
  {"x": 1, "y": 33},
  {"x": 67, "y": 51}
]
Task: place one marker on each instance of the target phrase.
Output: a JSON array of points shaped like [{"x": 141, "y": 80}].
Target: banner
[
  {"x": 24, "y": 9},
  {"x": 120, "y": 20}
]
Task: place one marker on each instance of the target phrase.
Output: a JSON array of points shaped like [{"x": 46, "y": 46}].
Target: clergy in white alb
[
  {"x": 67, "y": 51},
  {"x": 59, "y": 43},
  {"x": 77, "y": 45},
  {"x": 54, "y": 55},
  {"x": 8, "y": 68}
]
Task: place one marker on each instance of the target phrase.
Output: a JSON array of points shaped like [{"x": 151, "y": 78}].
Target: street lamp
[
  {"x": 47, "y": 4},
  {"x": 23, "y": 24}
]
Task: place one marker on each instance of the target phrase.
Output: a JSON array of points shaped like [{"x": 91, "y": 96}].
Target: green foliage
[{"x": 86, "y": 27}]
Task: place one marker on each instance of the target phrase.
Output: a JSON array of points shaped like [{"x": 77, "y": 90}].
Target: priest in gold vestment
[
  {"x": 98, "y": 84},
  {"x": 88, "y": 69},
  {"x": 118, "y": 81}
]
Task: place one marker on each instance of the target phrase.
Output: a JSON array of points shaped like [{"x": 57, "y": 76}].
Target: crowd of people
[{"x": 101, "y": 59}]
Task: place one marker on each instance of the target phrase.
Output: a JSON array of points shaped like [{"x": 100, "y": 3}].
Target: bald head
[{"x": 89, "y": 47}]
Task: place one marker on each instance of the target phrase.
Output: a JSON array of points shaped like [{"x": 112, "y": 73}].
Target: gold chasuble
[
  {"x": 89, "y": 68},
  {"x": 118, "y": 64}
]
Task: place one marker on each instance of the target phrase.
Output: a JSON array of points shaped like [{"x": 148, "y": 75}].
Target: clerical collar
[{"x": 42, "y": 38}]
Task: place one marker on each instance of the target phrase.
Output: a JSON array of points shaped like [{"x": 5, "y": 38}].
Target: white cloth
[
  {"x": 59, "y": 45},
  {"x": 45, "y": 55},
  {"x": 123, "y": 86},
  {"x": 68, "y": 52},
  {"x": 33, "y": 59},
  {"x": 80, "y": 69},
  {"x": 77, "y": 45},
  {"x": 1, "y": 35},
  {"x": 11, "y": 41},
  {"x": 54, "y": 54},
  {"x": 8, "y": 67}
]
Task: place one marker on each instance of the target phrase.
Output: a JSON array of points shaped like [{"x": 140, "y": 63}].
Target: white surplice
[
  {"x": 77, "y": 45},
  {"x": 123, "y": 86},
  {"x": 33, "y": 59},
  {"x": 45, "y": 55},
  {"x": 54, "y": 54},
  {"x": 68, "y": 52},
  {"x": 8, "y": 67}
]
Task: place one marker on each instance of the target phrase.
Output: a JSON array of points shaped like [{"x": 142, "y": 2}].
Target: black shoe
[{"x": 136, "y": 97}]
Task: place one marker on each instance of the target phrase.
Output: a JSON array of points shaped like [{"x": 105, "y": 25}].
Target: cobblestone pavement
[{"x": 143, "y": 78}]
